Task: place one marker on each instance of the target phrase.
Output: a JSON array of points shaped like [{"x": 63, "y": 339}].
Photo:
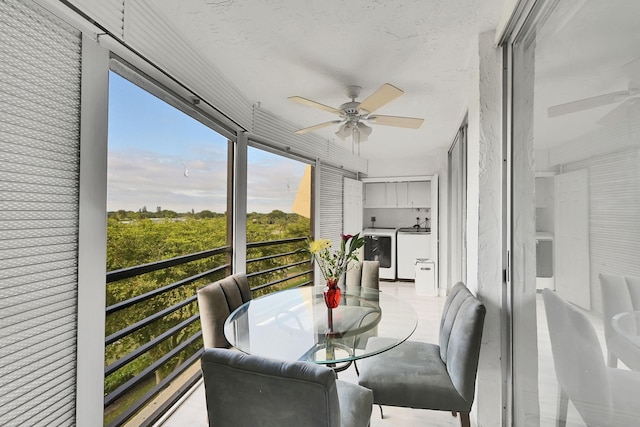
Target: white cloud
[{"x": 138, "y": 178}]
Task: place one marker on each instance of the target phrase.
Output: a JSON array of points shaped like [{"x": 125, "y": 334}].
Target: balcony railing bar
[
  {"x": 266, "y": 285},
  {"x": 275, "y": 242},
  {"x": 150, "y": 267},
  {"x": 118, "y": 392},
  {"x": 149, "y": 345},
  {"x": 126, "y": 273},
  {"x": 167, "y": 404},
  {"x": 268, "y": 257},
  {"x": 147, "y": 320},
  {"x": 282, "y": 267},
  {"x": 132, "y": 301},
  {"x": 151, "y": 393}
]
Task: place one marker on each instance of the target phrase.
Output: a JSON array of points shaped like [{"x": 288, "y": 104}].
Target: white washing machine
[{"x": 380, "y": 245}]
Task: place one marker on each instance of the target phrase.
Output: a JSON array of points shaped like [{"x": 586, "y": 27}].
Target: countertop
[{"x": 414, "y": 230}]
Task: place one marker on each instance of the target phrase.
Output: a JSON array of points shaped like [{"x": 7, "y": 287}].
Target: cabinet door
[
  {"x": 352, "y": 206},
  {"x": 419, "y": 194},
  {"x": 392, "y": 195},
  {"x": 375, "y": 194},
  {"x": 402, "y": 194}
]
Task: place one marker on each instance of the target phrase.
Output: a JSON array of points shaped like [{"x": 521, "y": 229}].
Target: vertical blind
[
  {"x": 331, "y": 193},
  {"x": 39, "y": 161},
  {"x": 614, "y": 215}
]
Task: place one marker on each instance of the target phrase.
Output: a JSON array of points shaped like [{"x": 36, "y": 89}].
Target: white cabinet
[
  {"x": 544, "y": 192},
  {"x": 401, "y": 194},
  {"x": 418, "y": 194},
  {"x": 397, "y": 193},
  {"x": 375, "y": 195}
]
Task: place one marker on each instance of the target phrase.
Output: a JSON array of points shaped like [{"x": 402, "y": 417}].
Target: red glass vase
[{"x": 332, "y": 293}]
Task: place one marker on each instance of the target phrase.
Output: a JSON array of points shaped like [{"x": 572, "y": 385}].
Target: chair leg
[
  {"x": 612, "y": 361},
  {"x": 563, "y": 405},
  {"x": 381, "y": 414},
  {"x": 464, "y": 418}
]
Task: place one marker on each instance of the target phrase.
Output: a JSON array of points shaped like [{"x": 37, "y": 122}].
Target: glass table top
[
  {"x": 628, "y": 325},
  {"x": 295, "y": 324}
]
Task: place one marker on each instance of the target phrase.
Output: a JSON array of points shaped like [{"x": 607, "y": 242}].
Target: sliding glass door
[
  {"x": 457, "y": 218},
  {"x": 576, "y": 197}
]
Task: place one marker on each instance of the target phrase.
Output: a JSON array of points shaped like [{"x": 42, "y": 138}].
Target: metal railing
[
  {"x": 154, "y": 338},
  {"x": 269, "y": 280}
]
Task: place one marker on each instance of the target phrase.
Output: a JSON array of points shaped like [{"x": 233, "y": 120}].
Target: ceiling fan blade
[
  {"x": 623, "y": 113},
  {"x": 385, "y": 94},
  {"x": 587, "y": 103},
  {"x": 318, "y": 126},
  {"x": 403, "y": 122},
  {"x": 314, "y": 104}
]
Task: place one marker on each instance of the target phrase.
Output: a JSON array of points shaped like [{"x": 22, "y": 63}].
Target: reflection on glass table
[
  {"x": 628, "y": 325},
  {"x": 296, "y": 324}
]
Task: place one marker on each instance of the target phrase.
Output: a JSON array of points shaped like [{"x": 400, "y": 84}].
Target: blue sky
[{"x": 159, "y": 156}]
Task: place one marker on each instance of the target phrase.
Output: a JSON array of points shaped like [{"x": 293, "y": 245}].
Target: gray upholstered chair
[
  {"x": 216, "y": 301},
  {"x": 430, "y": 376},
  {"x": 246, "y": 391},
  {"x": 365, "y": 274},
  {"x": 620, "y": 294},
  {"x": 603, "y": 396}
]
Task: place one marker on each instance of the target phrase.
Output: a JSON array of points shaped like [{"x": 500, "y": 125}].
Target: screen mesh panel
[{"x": 39, "y": 161}]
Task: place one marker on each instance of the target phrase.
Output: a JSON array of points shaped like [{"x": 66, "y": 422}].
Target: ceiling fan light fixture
[
  {"x": 344, "y": 131},
  {"x": 364, "y": 129},
  {"x": 355, "y": 136},
  {"x": 361, "y": 133}
]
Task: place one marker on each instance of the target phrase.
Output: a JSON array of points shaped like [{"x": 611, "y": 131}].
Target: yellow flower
[
  {"x": 334, "y": 264},
  {"x": 319, "y": 245}
]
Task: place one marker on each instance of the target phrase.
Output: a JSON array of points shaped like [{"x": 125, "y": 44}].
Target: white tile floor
[{"x": 192, "y": 410}]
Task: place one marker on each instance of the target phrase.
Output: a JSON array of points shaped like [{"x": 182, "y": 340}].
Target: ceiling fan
[
  {"x": 354, "y": 114},
  {"x": 594, "y": 101},
  {"x": 630, "y": 95}
]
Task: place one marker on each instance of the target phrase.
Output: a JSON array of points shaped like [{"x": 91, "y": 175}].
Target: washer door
[{"x": 378, "y": 248}]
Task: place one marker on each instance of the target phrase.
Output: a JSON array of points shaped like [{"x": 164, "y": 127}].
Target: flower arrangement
[{"x": 333, "y": 264}]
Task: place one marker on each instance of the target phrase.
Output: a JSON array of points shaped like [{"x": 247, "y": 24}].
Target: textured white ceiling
[{"x": 275, "y": 49}]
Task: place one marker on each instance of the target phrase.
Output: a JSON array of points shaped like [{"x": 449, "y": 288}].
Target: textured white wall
[
  {"x": 409, "y": 166},
  {"x": 485, "y": 222}
]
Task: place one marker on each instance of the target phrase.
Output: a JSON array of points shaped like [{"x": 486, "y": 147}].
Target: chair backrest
[
  {"x": 461, "y": 337},
  {"x": 244, "y": 390},
  {"x": 615, "y": 299},
  {"x": 449, "y": 312},
  {"x": 216, "y": 301},
  {"x": 366, "y": 274},
  {"x": 633, "y": 283},
  {"x": 578, "y": 360}
]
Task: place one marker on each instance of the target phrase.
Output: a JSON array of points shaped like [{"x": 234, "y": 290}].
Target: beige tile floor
[{"x": 192, "y": 410}]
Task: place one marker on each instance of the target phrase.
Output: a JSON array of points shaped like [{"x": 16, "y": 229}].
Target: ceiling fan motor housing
[{"x": 352, "y": 109}]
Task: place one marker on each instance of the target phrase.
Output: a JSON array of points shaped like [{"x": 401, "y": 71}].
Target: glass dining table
[
  {"x": 295, "y": 324},
  {"x": 628, "y": 325}
]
